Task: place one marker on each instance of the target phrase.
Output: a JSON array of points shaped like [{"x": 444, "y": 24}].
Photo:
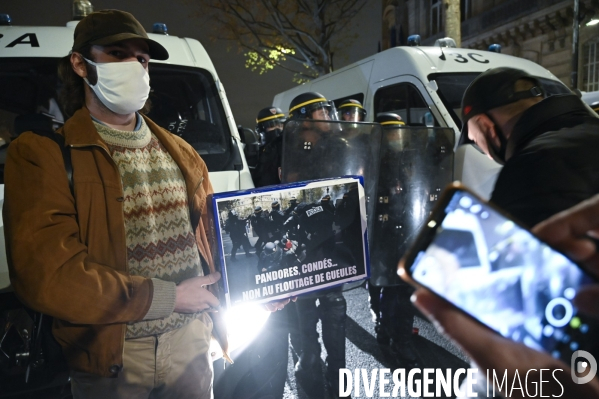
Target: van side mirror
[{"x": 252, "y": 145}]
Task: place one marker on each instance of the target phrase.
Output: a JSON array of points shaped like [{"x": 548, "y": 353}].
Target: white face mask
[{"x": 123, "y": 87}]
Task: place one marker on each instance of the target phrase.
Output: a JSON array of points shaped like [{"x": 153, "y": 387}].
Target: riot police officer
[
  {"x": 236, "y": 229},
  {"x": 271, "y": 257},
  {"x": 316, "y": 223},
  {"x": 289, "y": 210},
  {"x": 319, "y": 136},
  {"x": 269, "y": 125},
  {"x": 276, "y": 219},
  {"x": 259, "y": 224},
  {"x": 351, "y": 111},
  {"x": 394, "y": 314}
]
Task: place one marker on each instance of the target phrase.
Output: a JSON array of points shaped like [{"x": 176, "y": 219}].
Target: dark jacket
[
  {"x": 68, "y": 256},
  {"x": 267, "y": 170},
  {"x": 552, "y": 160}
]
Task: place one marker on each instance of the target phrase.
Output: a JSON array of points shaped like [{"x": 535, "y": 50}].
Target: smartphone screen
[{"x": 499, "y": 273}]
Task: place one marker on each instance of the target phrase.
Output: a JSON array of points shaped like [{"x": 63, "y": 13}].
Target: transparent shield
[
  {"x": 416, "y": 163},
  {"x": 315, "y": 149}
]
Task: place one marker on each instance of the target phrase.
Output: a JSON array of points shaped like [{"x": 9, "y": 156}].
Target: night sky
[{"x": 247, "y": 91}]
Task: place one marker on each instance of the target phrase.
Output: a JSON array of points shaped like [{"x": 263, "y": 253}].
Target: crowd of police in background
[{"x": 317, "y": 123}]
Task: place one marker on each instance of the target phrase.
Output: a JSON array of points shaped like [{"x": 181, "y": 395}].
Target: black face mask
[
  {"x": 272, "y": 134},
  {"x": 498, "y": 154}
]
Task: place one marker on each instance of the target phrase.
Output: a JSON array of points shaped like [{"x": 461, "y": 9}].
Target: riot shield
[
  {"x": 416, "y": 164},
  {"x": 324, "y": 149}
]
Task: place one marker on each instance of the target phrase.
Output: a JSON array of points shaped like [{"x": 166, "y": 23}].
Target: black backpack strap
[
  {"x": 42, "y": 329},
  {"x": 66, "y": 153}
]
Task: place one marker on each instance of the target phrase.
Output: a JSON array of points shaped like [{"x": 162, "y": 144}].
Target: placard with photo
[{"x": 290, "y": 239}]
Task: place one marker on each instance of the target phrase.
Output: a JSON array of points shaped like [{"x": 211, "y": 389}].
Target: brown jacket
[{"x": 68, "y": 258}]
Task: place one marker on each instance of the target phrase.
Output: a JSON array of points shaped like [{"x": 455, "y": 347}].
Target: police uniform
[{"x": 236, "y": 229}]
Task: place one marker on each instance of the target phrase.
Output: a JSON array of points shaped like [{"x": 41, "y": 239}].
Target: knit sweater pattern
[{"x": 160, "y": 241}]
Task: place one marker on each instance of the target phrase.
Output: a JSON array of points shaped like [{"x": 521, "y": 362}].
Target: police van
[
  {"x": 187, "y": 98},
  {"x": 424, "y": 85}
]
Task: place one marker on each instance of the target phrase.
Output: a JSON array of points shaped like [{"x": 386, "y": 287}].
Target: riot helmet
[
  {"x": 269, "y": 123},
  {"x": 351, "y": 111},
  {"x": 258, "y": 210},
  {"x": 270, "y": 247},
  {"x": 293, "y": 201},
  {"x": 270, "y": 257},
  {"x": 312, "y": 105},
  {"x": 394, "y": 136},
  {"x": 275, "y": 206},
  {"x": 326, "y": 202}
]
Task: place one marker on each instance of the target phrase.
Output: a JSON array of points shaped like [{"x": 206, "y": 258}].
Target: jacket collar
[
  {"x": 79, "y": 130},
  {"x": 551, "y": 114}
]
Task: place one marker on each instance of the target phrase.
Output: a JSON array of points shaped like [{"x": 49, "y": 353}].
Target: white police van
[
  {"x": 187, "y": 98},
  {"x": 424, "y": 85}
]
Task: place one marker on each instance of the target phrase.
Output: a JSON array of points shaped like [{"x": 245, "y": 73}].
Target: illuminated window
[
  {"x": 436, "y": 23},
  {"x": 590, "y": 69},
  {"x": 465, "y": 9}
]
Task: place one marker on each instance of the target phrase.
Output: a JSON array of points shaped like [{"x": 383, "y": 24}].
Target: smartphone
[{"x": 477, "y": 257}]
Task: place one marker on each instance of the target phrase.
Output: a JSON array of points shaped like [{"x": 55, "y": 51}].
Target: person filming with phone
[
  {"x": 547, "y": 146},
  {"x": 570, "y": 232}
]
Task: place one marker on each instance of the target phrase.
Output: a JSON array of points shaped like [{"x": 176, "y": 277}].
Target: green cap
[{"x": 106, "y": 27}]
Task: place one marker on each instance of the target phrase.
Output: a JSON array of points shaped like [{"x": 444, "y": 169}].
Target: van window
[
  {"x": 453, "y": 85},
  {"x": 184, "y": 100},
  {"x": 405, "y": 100}
]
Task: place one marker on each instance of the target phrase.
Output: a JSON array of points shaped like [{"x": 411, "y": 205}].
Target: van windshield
[
  {"x": 184, "y": 100},
  {"x": 453, "y": 85}
]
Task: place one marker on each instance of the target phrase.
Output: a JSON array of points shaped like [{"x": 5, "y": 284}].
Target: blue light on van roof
[
  {"x": 160, "y": 28},
  {"x": 496, "y": 48},
  {"x": 5, "y": 20},
  {"x": 414, "y": 40}
]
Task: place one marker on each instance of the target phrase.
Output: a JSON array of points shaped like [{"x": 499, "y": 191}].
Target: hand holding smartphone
[{"x": 476, "y": 257}]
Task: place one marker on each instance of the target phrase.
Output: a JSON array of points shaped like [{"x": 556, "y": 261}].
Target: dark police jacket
[
  {"x": 267, "y": 170},
  {"x": 552, "y": 160}
]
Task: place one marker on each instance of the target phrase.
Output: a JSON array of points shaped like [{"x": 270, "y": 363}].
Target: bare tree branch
[{"x": 296, "y": 35}]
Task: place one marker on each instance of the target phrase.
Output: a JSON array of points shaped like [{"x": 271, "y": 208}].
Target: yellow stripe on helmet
[
  {"x": 316, "y": 100},
  {"x": 277, "y": 116},
  {"x": 350, "y": 105},
  {"x": 402, "y": 123}
]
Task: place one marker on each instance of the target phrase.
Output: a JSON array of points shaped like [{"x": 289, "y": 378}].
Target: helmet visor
[
  {"x": 273, "y": 124},
  {"x": 351, "y": 114},
  {"x": 324, "y": 111}
]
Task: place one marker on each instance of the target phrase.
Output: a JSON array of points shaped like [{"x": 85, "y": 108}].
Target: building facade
[{"x": 538, "y": 30}]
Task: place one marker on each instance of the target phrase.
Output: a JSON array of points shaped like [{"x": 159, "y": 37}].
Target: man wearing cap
[
  {"x": 548, "y": 145},
  {"x": 123, "y": 262}
]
